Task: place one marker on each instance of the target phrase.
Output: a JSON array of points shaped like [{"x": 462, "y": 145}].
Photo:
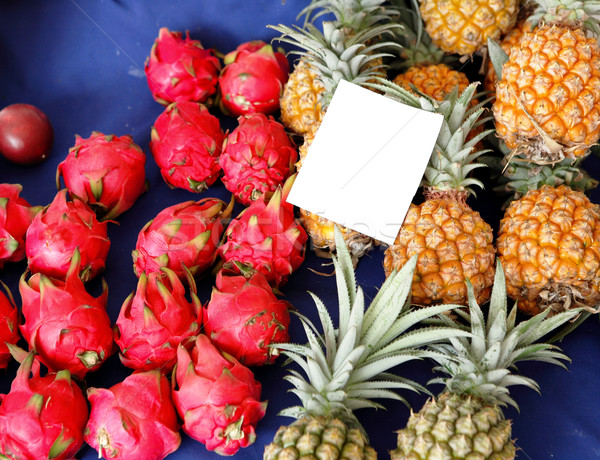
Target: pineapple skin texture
[
  {"x": 300, "y": 106},
  {"x": 455, "y": 427},
  {"x": 454, "y": 244},
  {"x": 555, "y": 72},
  {"x": 437, "y": 80},
  {"x": 463, "y": 27},
  {"x": 511, "y": 39},
  {"x": 319, "y": 437},
  {"x": 321, "y": 232},
  {"x": 550, "y": 238}
]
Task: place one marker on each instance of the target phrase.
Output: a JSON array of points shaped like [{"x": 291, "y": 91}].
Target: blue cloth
[{"x": 81, "y": 62}]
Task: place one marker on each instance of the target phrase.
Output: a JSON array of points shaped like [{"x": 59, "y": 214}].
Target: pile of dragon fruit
[{"x": 186, "y": 358}]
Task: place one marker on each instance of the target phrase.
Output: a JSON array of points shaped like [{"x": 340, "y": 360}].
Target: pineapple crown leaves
[
  {"x": 497, "y": 56},
  {"x": 453, "y": 158},
  {"x": 570, "y": 12},
  {"x": 336, "y": 56},
  {"x": 519, "y": 175},
  {"x": 417, "y": 46},
  {"x": 350, "y": 15},
  {"x": 347, "y": 367},
  {"x": 482, "y": 364}
]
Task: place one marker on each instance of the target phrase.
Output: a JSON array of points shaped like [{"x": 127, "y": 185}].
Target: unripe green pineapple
[
  {"x": 347, "y": 366},
  {"x": 466, "y": 420}
]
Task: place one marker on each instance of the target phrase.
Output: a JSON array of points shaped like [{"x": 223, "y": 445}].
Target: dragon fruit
[
  {"x": 185, "y": 234},
  {"x": 106, "y": 172},
  {"x": 155, "y": 320},
  {"x": 244, "y": 318},
  {"x": 253, "y": 78},
  {"x": 267, "y": 237},
  {"x": 186, "y": 143},
  {"x": 65, "y": 325},
  {"x": 217, "y": 398},
  {"x": 257, "y": 157},
  {"x": 42, "y": 417},
  {"x": 134, "y": 419},
  {"x": 16, "y": 215},
  {"x": 180, "y": 69},
  {"x": 9, "y": 325},
  {"x": 58, "y": 231}
]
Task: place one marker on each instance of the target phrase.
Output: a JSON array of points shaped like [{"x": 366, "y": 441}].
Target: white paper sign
[{"x": 366, "y": 162}]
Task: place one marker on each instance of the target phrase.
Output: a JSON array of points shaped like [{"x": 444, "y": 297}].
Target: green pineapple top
[
  {"x": 417, "y": 47},
  {"x": 346, "y": 366},
  {"x": 352, "y": 16},
  {"x": 453, "y": 158},
  {"x": 483, "y": 364},
  {"x": 576, "y": 13},
  {"x": 335, "y": 55}
]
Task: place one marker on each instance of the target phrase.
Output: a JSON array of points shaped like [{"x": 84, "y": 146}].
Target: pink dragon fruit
[
  {"x": 155, "y": 320},
  {"x": 66, "y": 326},
  {"x": 253, "y": 78},
  {"x": 180, "y": 69},
  {"x": 185, "y": 234},
  {"x": 217, "y": 397},
  {"x": 9, "y": 325},
  {"x": 16, "y": 215},
  {"x": 134, "y": 419},
  {"x": 42, "y": 417},
  {"x": 244, "y": 318},
  {"x": 257, "y": 157},
  {"x": 106, "y": 172},
  {"x": 186, "y": 143},
  {"x": 267, "y": 237},
  {"x": 61, "y": 228}
]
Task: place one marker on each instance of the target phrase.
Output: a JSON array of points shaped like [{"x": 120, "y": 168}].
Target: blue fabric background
[{"x": 82, "y": 63}]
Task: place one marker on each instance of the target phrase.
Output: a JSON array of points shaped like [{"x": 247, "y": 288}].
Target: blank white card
[{"x": 366, "y": 162}]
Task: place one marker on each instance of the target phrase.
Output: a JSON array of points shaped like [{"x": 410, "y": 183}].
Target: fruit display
[{"x": 181, "y": 308}]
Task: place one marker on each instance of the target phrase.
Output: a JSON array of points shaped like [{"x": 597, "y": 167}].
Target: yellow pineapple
[
  {"x": 357, "y": 59},
  {"x": 346, "y": 365},
  {"x": 423, "y": 65},
  {"x": 300, "y": 102},
  {"x": 466, "y": 420},
  {"x": 454, "y": 244},
  {"x": 547, "y": 104},
  {"x": 463, "y": 27},
  {"x": 549, "y": 244},
  {"x": 434, "y": 80}
]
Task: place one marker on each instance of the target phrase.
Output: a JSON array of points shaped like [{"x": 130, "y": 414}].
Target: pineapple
[
  {"x": 336, "y": 56},
  {"x": 424, "y": 66},
  {"x": 466, "y": 420},
  {"x": 453, "y": 242},
  {"x": 463, "y": 27},
  {"x": 300, "y": 102},
  {"x": 549, "y": 243},
  {"x": 346, "y": 367},
  {"x": 547, "y": 104}
]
